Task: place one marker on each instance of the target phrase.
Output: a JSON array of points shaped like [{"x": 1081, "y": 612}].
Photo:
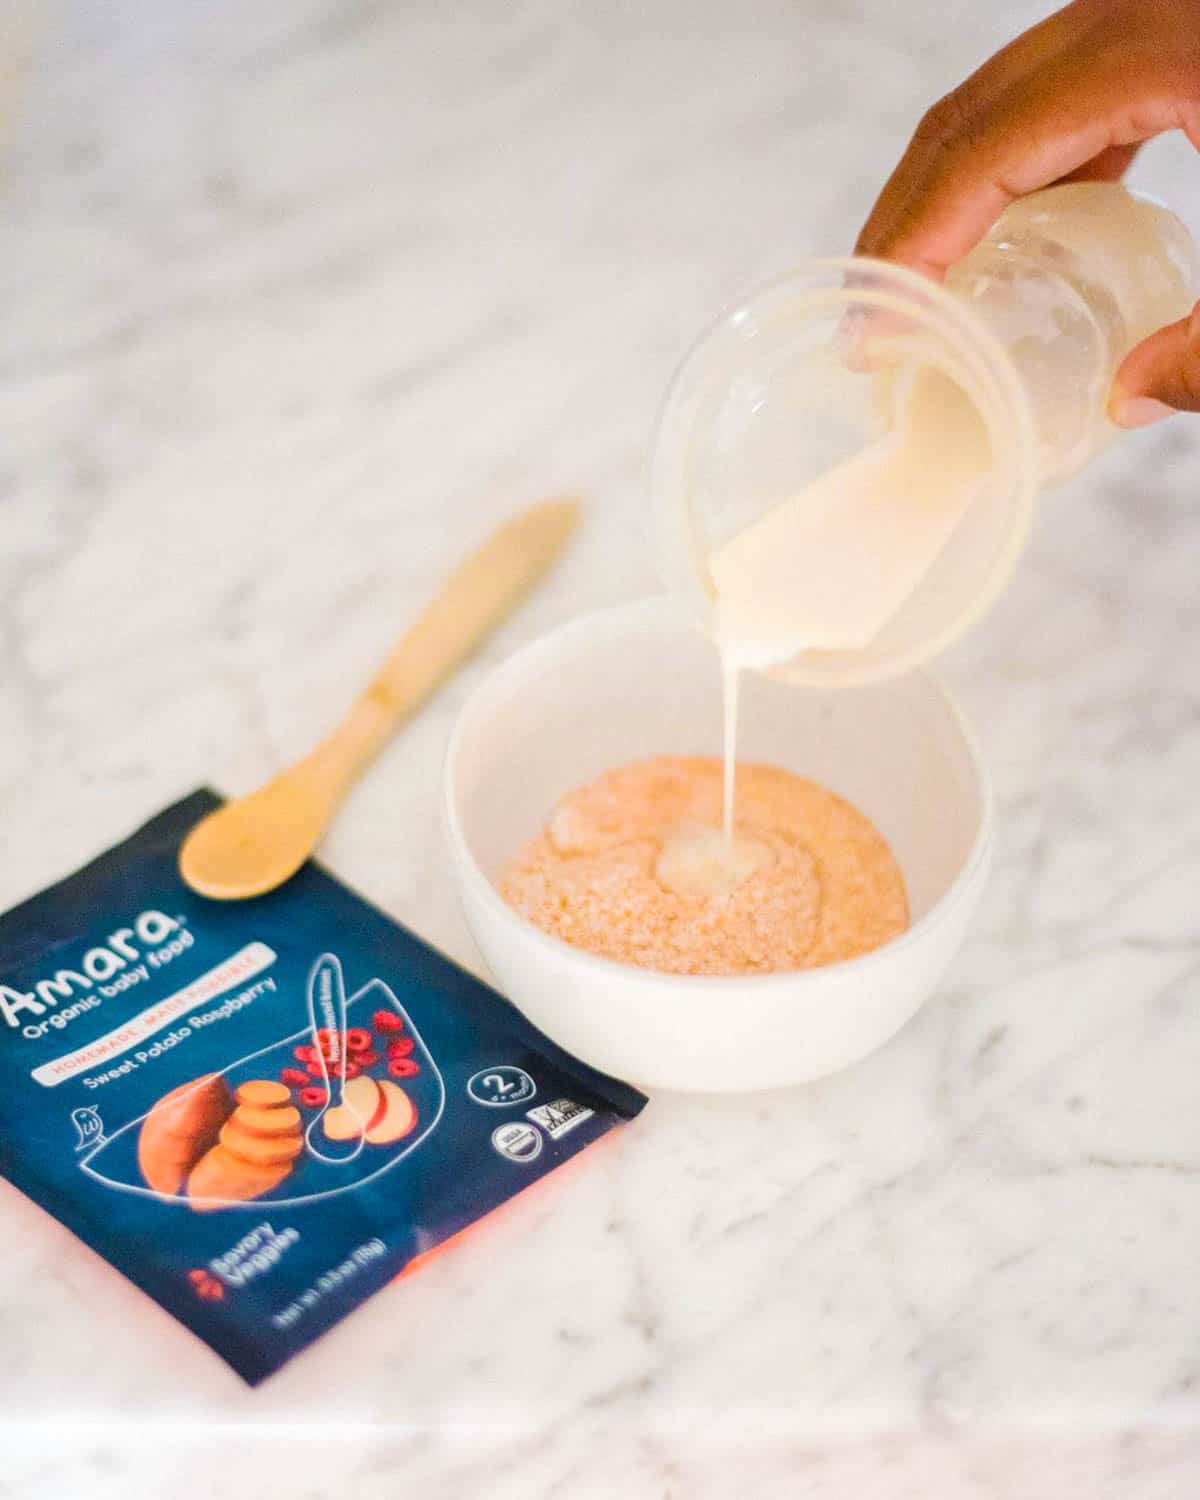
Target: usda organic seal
[{"x": 517, "y": 1140}]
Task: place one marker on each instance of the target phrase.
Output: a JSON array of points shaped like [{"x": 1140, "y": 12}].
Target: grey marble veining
[{"x": 298, "y": 300}]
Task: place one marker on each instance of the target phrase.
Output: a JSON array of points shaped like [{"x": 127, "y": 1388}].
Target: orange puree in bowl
[{"x": 634, "y": 867}]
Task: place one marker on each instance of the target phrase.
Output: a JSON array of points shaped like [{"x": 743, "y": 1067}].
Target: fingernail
[{"x": 1140, "y": 411}]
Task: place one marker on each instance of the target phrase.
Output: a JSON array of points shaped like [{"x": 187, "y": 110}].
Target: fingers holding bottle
[
  {"x": 1160, "y": 377},
  {"x": 1071, "y": 98}
]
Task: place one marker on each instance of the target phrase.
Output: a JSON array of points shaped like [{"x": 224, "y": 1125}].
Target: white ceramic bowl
[{"x": 640, "y": 680}]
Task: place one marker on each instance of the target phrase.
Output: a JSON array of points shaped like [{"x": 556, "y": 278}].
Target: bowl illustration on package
[{"x": 319, "y": 1112}]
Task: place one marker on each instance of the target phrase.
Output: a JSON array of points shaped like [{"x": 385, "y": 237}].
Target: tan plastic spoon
[{"x": 250, "y": 846}]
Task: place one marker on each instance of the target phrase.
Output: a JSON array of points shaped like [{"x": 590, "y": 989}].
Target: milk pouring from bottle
[{"x": 847, "y": 465}]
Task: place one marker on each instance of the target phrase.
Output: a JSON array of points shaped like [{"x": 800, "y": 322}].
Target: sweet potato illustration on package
[
  {"x": 200, "y": 1140},
  {"x": 180, "y": 1128}
]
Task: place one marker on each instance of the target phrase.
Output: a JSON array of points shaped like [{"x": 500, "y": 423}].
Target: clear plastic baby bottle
[{"x": 967, "y": 399}]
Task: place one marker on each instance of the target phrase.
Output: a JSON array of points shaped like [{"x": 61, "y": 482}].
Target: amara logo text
[{"x": 117, "y": 952}]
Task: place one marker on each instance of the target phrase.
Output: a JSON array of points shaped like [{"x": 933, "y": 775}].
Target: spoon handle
[{"x": 476, "y": 598}]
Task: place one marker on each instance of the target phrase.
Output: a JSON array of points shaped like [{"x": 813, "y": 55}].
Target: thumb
[{"x": 1160, "y": 376}]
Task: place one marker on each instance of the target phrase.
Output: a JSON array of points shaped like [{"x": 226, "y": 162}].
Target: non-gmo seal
[
  {"x": 517, "y": 1140},
  {"x": 500, "y": 1086}
]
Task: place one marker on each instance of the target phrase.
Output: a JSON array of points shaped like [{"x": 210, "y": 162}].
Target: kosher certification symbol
[
  {"x": 500, "y": 1086},
  {"x": 517, "y": 1140}
]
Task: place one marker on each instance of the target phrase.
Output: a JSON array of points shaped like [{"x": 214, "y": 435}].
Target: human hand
[{"x": 1073, "y": 98}]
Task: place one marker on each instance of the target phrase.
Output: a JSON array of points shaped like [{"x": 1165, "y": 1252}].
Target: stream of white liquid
[
  {"x": 701, "y": 863},
  {"x": 826, "y": 569},
  {"x": 729, "y": 709}
]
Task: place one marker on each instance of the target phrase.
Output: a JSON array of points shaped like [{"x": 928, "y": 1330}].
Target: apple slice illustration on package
[{"x": 262, "y": 1112}]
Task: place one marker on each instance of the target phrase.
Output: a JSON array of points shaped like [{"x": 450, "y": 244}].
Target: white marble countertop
[{"x": 297, "y": 300}]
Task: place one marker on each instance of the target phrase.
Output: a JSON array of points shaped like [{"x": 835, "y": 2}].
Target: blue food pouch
[{"x": 261, "y": 1112}]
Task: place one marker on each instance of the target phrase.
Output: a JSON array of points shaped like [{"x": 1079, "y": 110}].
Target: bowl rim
[{"x": 611, "y": 619}]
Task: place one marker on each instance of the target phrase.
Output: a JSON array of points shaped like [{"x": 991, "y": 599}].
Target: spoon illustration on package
[{"x": 341, "y": 1121}]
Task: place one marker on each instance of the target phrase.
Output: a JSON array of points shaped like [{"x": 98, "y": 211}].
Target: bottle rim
[{"x": 845, "y": 286}]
